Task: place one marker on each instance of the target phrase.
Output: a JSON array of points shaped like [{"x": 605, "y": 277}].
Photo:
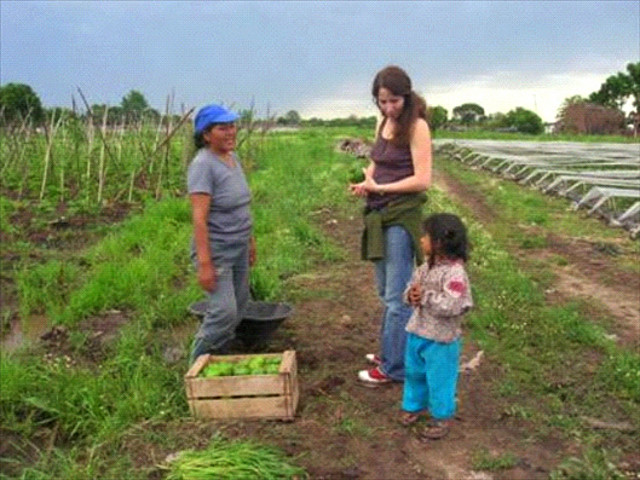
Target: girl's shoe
[
  {"x": 373, "y": 377},
  {"x": 409, "y": 418},
  {"x": 373, "y": 358},
  {"x": 436, "y": 430}
]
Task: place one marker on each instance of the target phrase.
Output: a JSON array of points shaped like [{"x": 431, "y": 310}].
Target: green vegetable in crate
[
  {"x": 211, "y": 370},
  {"x": 226, "y": 368},
  {"x": 241, "y": 370},
  {"x": 257, "y": 363},
  {"x": 218, "y": 369},
  {"x": 271, "y": 369},
  {"x": 244, "y": 363},
  {"x": 274, "y": 360}
]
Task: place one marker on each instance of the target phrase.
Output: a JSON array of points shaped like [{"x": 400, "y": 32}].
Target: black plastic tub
[{"x": 258, "y": 323}]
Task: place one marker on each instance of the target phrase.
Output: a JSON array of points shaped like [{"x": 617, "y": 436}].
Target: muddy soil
[
  {"x": 63, "y": 234},
  {"x": 347, "y": 431},
  {"x": 344, "y": 430}
]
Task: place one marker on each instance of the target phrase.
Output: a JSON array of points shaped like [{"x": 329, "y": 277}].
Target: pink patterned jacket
[{"x": 446, "y": 297}]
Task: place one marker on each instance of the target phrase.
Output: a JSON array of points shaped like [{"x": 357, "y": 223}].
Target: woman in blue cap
[{"x": 223, "y": 247}]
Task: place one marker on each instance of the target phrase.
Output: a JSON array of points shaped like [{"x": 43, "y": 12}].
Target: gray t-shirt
[{"x": 229, "y": 215}]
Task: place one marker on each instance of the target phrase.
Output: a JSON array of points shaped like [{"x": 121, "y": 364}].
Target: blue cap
[{"x": 212, "y": 114}]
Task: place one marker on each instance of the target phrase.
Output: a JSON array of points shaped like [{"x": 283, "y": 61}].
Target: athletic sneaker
[
  {"x": 373, "y": 377},
  {"x": 373, "y": 358}
]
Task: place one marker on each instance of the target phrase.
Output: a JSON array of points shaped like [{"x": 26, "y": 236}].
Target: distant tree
[
  {"x": 613, "y": 92},
  {"x": 524, "y": 121},
  {"x": 247, "y": 116},
  {"x": 633, "y": 71},
  {"x": 97, "y": 113},
  {"x": 17, "y": 101},
  {"x": 116, "y": 115},
  {"x": 135, "y": 106},
  {"x": 618, "y": 89},
  {"x": 437, "y": 116},
  {"x": 468, "y": 113},
  {"x": 134, "y": 101},
  {"x": 495, "y": 121},
  {"x": 59, "y": 112},
  {"x": 292, "y": 117},
  {"x": 368, "y": 122}
]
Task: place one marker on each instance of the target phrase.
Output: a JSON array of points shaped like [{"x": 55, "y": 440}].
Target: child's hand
[{"x": 415, "y": 294}]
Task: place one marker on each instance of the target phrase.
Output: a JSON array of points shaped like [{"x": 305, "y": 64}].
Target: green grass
[
  {"x": 595, "y": 464},
  {"x": 482, "y": 459},
  {"x": 558, "y": 364},
  {"x": 529, "y": 210},
  {"x": 142, "y": 267}
]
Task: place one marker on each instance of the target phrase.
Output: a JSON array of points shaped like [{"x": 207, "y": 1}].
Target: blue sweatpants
[{"x": 431, "y": 375}]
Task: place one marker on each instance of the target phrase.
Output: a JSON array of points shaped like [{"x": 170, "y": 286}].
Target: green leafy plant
[{"x": 233, "y": 460}]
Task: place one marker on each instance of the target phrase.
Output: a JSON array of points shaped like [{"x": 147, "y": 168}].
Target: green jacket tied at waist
[{"x": 406, "y": 211}]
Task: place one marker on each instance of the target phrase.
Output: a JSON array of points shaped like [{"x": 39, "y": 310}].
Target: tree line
[
  {"x": 602, "y": 111},
  {"x": 599, "y": 113},
  {"x": 19, "y": 103}
]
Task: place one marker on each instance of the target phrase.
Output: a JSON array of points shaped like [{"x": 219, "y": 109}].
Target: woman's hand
[
  {"x": 367, "y": 186},
  {"x": 361, "y": 189},
  {"x": 369, "y": 183},
  {"x": 207, "y": 276},
  {"x": 357, "y": 189}
]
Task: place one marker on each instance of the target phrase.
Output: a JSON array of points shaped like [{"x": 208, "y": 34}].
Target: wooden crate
[{"x": 266, "y": 396}]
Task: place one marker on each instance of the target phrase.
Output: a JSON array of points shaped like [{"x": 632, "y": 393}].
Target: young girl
[{"x": 440, "y": 294}]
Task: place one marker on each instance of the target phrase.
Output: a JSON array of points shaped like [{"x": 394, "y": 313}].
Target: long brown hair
[{"x": 397, "y": 81}]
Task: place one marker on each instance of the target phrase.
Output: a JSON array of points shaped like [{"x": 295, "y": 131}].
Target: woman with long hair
[{"x": 394, "y": 188}]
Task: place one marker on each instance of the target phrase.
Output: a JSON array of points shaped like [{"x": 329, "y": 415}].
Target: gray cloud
[{"x": 294, "y": 54}]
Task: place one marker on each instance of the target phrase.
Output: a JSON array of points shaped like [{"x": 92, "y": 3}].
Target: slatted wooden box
[{"x": 249, "y": 397}]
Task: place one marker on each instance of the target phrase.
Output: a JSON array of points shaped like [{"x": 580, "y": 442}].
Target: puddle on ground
[{"x": 24, "y": 332}]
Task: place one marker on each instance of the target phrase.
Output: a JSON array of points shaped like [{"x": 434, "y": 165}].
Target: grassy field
[
  {"x": 140, "y": 268},
  {"x": 561, "y": 362},
  {"x": 106, "y": 384}
]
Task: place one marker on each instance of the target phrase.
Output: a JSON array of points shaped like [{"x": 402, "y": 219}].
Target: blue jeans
[
  {"x": 227, "y": 302},
  {"x": 393, "y": 273},
  {"x": 432, "y": 375}
]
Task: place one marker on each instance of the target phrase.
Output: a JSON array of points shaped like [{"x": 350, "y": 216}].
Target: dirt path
[{"x": 351, "y": 431}]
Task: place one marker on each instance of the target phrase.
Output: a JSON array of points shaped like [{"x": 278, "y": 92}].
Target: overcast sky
[{"x": 317, "y": 57}]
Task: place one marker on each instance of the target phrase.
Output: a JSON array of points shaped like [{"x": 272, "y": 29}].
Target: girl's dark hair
[
  {"x": 448, "y": 236},
  {"x": 397, "y": 81}
]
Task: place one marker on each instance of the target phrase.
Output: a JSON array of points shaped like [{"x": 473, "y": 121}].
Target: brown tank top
[{"x": 393, "y": 163}]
